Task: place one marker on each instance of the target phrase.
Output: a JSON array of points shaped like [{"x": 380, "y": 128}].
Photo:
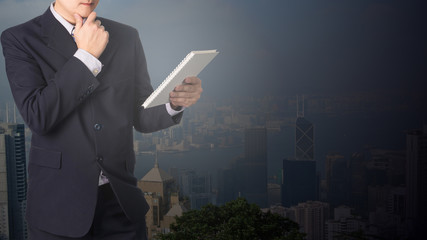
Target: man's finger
[
  {"x": 91, "y": 17},
  {"x": 192, "y": 80},
  {"x": 184, "y": 88},
  {"x": 180, "y": 95},
  {"x": 79, "y": 21}
]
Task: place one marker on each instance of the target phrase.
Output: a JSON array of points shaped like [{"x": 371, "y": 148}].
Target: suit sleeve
[
  {"x": 151, "y": 119},
  {"x": 44, "y": 102}
]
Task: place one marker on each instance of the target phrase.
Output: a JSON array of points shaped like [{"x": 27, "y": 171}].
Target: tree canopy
[{"x": 236, "y": 220}]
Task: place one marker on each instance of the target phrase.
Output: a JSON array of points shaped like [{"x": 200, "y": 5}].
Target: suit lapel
[{"x": 56, "y": 36}]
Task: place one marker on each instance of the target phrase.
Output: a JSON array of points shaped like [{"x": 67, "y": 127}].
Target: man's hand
[
  {"x": 90, "y": 36},
  {"x": 187, "y": 93}
]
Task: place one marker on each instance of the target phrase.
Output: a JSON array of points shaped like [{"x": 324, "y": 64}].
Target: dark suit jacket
[{"x": 80, "y": 123}]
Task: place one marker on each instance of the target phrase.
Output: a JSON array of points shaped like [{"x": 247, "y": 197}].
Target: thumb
[{"x": 79, "y": 21}]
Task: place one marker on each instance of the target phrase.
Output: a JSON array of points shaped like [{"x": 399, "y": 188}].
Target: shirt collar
[{"x": 62, "y": 20}]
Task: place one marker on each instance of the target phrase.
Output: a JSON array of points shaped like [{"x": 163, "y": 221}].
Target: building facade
[
  {"x": 159, "y": 189},
  {"x": 13, "y": 182},
  {"x": 311, "y": 217},
  {"x": 251, "y": 170},
  {"x": 299, "y": 182},
  {"x": 416, "y": 181},
  {"x": 304, "y": 139},
  {"x": 247, "y": 175},
  {"x": 196, "y": 187},
  {"x": 344, "y": 223}
]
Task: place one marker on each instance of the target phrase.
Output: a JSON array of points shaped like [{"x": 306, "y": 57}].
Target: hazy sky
[{"x": 271, "y": 46}]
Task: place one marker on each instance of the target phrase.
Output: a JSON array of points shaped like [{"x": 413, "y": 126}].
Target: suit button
[
  {"x": 97, "y": 127},
  {"x": 99, "y": 159}
]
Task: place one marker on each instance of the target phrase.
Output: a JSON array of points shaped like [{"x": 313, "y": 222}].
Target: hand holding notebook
[
  {"x": 190, "y": 66},
  {"x": 186, "y": 94}
]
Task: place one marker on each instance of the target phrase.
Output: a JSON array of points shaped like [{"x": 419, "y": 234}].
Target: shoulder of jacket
[
  {"x": 116, "y": 26},
  {"x": 20, "y": 29}
]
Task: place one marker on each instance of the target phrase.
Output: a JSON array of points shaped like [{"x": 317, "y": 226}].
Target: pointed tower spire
[
  {"x": 156, "y": 174},
  {"x": 300, "y": 106},
  {"x": 7, "y": 113},
  {"x": 14, "y": 113}
]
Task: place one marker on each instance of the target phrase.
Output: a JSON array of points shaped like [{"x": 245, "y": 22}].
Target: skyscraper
[
  {"x": 196, "y": 187},
  {"x": 247, "y": 175},
  {"x": 251, "y": 170},
  {"x": 13, "y": 182},
  {"x": 299, "y": 179},
  {"x": 227, "y": 185},
  {"x": 304, "y": 135},
  {"x": 338, "y": 177},
  {"x": 416, "y": 180},
  {"x": 299, "y": 182},
  {"x": 256, "y": 144},
  {"x": 304, "y": 139}
]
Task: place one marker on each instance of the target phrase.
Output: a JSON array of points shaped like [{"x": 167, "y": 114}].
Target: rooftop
[{"x": 157, "y": 174}]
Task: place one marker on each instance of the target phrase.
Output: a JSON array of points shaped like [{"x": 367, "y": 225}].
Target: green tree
[{"x": 236, "y": 220}]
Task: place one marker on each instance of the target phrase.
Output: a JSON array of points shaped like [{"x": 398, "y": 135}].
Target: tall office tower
[
  {"x": 184, "y": 179},
  {"x": 196, "y": 187},
  {"x": 337, "y": 180},
  {"x": 397, "y": 202},
  {"x": 358, "y": 182},
  {"x": 201, "y": 193},
  {"x": 227, "y": 185},
  {"x": 311, "y": 217},
  {"x": 256, "y": 144},
  {"x": 13, "y": 182},
  {"x": 304, "y": 135},
  {"x": 416, "y": 180},
  {"x": 396, "y": 210},
  {"x": 274, "y": 194},
  {"x": 330, "y": 160},
  {"x": 251, "y": 170},
  {"x": 299, "y": 182},
  {"x": 299, "y": 178}
]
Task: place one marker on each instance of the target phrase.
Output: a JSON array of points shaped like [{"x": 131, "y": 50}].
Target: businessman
[{"x": 79, "y": 81}]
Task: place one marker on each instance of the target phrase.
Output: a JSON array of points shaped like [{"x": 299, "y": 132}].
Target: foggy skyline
[{"x": 362, "y": 65}]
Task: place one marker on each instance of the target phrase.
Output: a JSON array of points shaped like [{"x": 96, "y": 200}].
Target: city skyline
[
  {"x": 359, "y": 64},
  {"x": 280, "y": 113},
  {"x": 201, "y": 124}
]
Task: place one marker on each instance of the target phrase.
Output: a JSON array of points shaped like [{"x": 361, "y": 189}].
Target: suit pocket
[{"x": 45, "y": 158}]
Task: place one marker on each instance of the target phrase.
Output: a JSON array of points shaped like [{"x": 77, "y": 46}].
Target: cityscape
[
  {"x": 313, "y": 110},
  {"x": 291, "y": 155}
]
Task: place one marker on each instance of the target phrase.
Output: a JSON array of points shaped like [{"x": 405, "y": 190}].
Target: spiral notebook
[{"x": 190, "y": 66}]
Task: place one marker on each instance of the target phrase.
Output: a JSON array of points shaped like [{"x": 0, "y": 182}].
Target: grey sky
[{"x": 271, "y": 46}]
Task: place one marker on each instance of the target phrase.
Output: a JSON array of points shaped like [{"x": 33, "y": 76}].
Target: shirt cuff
[
  {"x": 171, "y": 111},
  {"x": 91, "y": 62}
]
